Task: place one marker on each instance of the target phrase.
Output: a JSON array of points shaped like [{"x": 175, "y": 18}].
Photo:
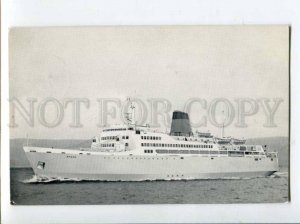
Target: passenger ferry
[{"x": 135, "y": 153}]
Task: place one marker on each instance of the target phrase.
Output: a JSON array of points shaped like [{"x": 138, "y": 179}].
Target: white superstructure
[{"x": 134, "y": 153}]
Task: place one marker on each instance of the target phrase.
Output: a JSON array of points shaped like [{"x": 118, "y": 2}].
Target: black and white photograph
[
  {"x": 125, "y": 115},
  {"x": 136, "y": 111}
]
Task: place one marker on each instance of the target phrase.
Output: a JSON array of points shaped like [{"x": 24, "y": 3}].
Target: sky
[{"x": 176, "y": 63}]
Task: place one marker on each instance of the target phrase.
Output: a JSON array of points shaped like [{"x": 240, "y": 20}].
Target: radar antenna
[{"x": 130, "y": 116}]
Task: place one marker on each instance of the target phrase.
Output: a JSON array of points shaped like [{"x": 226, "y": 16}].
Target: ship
[{"x": 130, "y": 152}]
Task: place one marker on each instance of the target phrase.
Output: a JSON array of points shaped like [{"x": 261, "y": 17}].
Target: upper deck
[{"x": 144, "y": 140}]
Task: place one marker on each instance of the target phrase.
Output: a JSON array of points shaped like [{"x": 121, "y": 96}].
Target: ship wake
[
  {"x": 38, "y": 179},
  {"x": 280, "y": 175}
]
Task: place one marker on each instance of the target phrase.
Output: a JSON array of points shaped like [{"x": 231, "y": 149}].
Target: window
[
  {"x": 235, "y": 153},
  {"x": 223, "y": 152},
  {"x": 194, "y": 151},
  {"x": 127, "y": 137},
  {"x": 243, "y": 148},
  {"x": 214, "y": 152},
  {"x": 204, "y": 152},
  {"x": 161, "y": 151},
  {"x": 142, "y": 144}
]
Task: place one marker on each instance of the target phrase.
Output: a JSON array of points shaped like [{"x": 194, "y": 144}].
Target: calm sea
[{"x": 26, "y": 191}]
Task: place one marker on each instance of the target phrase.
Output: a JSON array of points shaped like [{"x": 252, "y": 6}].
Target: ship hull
[{"x": 75, "y": 164}]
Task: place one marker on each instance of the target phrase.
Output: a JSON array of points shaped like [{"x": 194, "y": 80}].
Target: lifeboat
[
  {"x": 204, "y": 134},
  {"x": 236, "y": 141},
  {"x": 223, "y": 140}
]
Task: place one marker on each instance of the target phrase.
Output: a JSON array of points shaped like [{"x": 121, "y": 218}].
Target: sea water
[{"x": 27, "y": 189}]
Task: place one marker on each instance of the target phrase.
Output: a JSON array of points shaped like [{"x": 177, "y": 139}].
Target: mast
[
  {"x": 222, "y": 131},
  {"x": 130, "y": 116},
  {"x": 132, "y": 107},
  {"x": 223, "y": 124}
]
